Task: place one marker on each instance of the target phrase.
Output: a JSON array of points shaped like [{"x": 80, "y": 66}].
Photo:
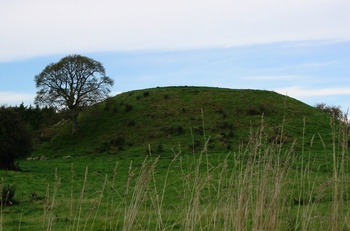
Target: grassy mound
[
  {"x": 261, "y": 161},
  {"x": 169, "y": 118}
]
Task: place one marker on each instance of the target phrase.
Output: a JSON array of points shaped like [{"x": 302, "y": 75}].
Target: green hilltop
[{"x": 169, "y": 119}]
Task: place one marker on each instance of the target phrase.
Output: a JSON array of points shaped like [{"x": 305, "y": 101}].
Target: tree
[
  {"x": 15, "y": 140},
  {"x": 334, "y": 111},
  {"x": 72, "y": 84}
]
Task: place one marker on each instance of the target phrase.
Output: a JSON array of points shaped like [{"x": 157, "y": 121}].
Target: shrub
[
  {"x": 34, "y": 196},
  {"x": 7, "y": 194},
  {"x": 146, "y": 93},
  {"x": 109, "y": 103},
  {"x": 128, "y": 107},
  {"x": 220, "y": 111},
  {"x": 15, "y": 139},
  {"x": 160, "y": 148},
  {"x": 180, "y": 130},
  {"x": 258, "y": 110},
  {"x": 118, "y": 142},
  {"x": 231, "y": 134},
  {"x": 103, "y": 147},
  {"x": 175, "y": 130},
  {"x": 196, "y": 145},
  {"x": 131, "y": 123},
  {"x": 334, "y": 111},
  {"x": 226, "y": 125}
]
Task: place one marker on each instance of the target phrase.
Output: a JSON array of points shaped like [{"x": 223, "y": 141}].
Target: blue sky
[{"x": 296, "y": 48}]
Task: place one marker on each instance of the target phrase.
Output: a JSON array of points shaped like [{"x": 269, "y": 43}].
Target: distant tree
[
  {"x": 334, "y": 111},
  {"x": 15, "y": 140},
  {"x": 72, "y": 84}
]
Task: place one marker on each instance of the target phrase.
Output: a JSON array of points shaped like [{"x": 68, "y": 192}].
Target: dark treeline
[
  {"x": 21, "y": 129},
  {"x": 37, "y": 120},
  {"x": 36, "y": 117}
]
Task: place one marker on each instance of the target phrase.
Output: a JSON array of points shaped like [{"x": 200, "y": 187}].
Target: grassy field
[
  {"x": 295, "y": 177},
  {"x": 262, "y": 187}
]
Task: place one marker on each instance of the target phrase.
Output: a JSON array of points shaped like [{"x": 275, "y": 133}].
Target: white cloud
[
  {"x": 42, "y": 27},
  {"x": 16, "y": 98}
]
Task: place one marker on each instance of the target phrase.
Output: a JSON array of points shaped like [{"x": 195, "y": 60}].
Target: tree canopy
[
  {"x": 73, "y": 83},
  {"x": 15, "y": 140}
]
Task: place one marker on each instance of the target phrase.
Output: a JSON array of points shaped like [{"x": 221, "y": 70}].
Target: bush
[
  {"x": 160, "y": 148},
  {"x": 131, "y": 123},
  {"x": 7, "y": 194},
  {"x": 118, "y": 142},
  {"x": 334, "y": 111},
  {"x": 175, "y": 130},
  {"x": 15, "y": 139},
  {"x": 128, "y": 107}
]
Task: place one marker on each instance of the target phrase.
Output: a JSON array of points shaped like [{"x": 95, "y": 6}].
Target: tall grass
[{"x": 263, "y": 186}]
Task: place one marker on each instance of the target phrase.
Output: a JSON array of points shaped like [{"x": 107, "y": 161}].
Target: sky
[{"x": 299, "y": 48}]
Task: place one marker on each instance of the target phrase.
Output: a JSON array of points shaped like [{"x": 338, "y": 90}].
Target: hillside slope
[{"x": 172, "y": 118}]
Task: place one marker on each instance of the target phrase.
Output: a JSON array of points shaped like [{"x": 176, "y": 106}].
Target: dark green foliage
[
  {"x": 128, "y": 107},
  {"x": 220, "y": 111},
  {"x": 146, "y": 93},
  {"x": 131, "y": 123},
  {"x": 111, "y": 105},
  {"x": 175, "y": 130},
  {"x": 226, "y": 125},
  {"x": 118, "y": 142},
  {"x": 334, "y": 111},
  {"x": 7, "y": 193},
  {"x": 256, "y": 110},
  {"x": 15, "y": 140},
  {"x": 160, "y": 148},
  {"x": 196, "y": 145},
  {"x": 37, "y": 118},
  {"x": 34, "y": 196}
]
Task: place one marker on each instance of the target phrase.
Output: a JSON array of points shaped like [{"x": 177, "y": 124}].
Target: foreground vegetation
[{"x": 263, "y": 186}]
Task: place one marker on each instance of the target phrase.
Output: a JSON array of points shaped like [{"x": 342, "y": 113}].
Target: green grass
[
  {"x": 263, "y": 186},
  {"x": 167, "y": 118},
  {"x": 172, "y": 170}
]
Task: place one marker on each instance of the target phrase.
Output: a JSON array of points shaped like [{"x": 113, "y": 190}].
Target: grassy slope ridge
[{"x": 171, "y": 117}]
